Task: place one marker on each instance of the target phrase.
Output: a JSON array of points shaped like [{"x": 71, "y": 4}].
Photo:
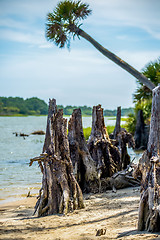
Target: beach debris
[
  {"x": 20, "y": 134},
  {"x": 39, "y": 132},
  {"x": 100, "y": 232},
  {"x": 148, "y": 169},
  {"x": 123, "y": 179},
  {"x": 60, "y": 192},
  {"x": 29, "y": 194}
]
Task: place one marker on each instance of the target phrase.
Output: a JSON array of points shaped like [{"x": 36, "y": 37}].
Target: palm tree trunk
[{"x": 144, "y": 80}]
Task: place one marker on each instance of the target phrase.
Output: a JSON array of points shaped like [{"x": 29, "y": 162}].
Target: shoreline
[
  {"x": 10, "y": 200},
  {"x": 115, "y": 213}
]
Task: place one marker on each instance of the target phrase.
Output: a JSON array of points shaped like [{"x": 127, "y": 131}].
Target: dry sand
[{"x": 115, "y": 213}]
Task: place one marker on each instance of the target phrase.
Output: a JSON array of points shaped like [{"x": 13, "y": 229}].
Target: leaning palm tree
[{"x": 64, "y": 23}]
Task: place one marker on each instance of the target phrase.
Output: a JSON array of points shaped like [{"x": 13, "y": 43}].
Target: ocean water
[{"x": 16, "y": 177}]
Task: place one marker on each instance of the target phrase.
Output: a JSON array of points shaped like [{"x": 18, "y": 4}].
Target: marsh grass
[{"x": 87, "y": 131}]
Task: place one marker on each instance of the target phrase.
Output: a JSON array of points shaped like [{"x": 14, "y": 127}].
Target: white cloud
[
  {"x": 34, "y": 38},
  {"x": 142, "y": 14},
  {"x": 78, "y": 77},
  {"x": 83, "y": 75},
  {"x": 11, "y": 23}
]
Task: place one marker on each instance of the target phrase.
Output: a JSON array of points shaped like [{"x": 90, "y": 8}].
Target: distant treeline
[
  {"x": 124, "y": 112},
  {"x": 87, "y": 111},
  {"x": 19, "y": 106},
  {"x": 35, "y": 106}
]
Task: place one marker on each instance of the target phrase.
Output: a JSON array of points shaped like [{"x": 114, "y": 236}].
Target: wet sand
[{"x": 113, "y": 214}]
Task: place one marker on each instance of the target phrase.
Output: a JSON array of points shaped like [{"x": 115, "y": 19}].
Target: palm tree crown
[
  {"x": 62, "y": 22},
  {"x": 152, "y": 72}
]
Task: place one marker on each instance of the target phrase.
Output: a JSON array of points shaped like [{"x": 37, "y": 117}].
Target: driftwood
[
  {"x": 39, "y": 132},
  {"x": 21, "y": 134},
  {"x": 149, "y": 171},
  {"x": 141, "y": 133},
  {"x": 84, "y": 167},
  {"x": 105, "y": 155},
  {"x": 121, "y": 179},
  {"x": 60, "y": 191}
]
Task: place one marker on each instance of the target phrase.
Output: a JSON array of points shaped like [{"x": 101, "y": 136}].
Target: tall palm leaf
[
  {"x": 64, "y": 23},
  {"x": 143, "y": 96},
  {"x": 152, "y": 72}
]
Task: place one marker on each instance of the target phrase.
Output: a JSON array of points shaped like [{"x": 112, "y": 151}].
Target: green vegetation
[
  {"x": 110, "y": 129},
  {"x": 131, "y": 123},
  {"x": 18, "y": 106},
  {"x": 87, "y": 131},
  {"x": 124, "y": 112},
  {"x": 143, "y": 96},
  {"x": 86, "y": 111}
]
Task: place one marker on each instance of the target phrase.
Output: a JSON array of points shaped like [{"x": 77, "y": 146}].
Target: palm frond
[
  {"x": 152, "y": 72},
  {"x": 64, "y": 20},
  {"x": 81, "y": 10}
]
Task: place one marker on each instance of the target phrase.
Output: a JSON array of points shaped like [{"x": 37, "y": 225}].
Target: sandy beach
[{"x": 113, "y": 214}]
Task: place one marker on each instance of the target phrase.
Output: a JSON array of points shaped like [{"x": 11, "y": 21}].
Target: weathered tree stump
[
  {"x": 104, "y": 153},
  {"x": 149, "y": 170},
  {"x": 121, "y": 139},
  {"x": 60, "y": 191},
  {"x": 124, "y": 139},
  {"x": 117, "y": 128},
  {"x": 84, "y": 167},
  {"x": 141, "y": 134}
]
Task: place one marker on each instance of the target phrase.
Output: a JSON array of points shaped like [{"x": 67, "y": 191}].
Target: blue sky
[{"x": 31, "y": 66}]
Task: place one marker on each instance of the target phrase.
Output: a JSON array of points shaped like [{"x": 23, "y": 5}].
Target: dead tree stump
[
  {"x": 121, "y": 139},
  {"x": 124, "y": 139},
  {"x": 141, "y": 135},
  {"x": 84, "y": 167},
  {"x": 105, "y": 155},
  {"x": 149, "y": 170},
  {"x": 118, "y": 123},
  {"x": 60, "y": 191}
]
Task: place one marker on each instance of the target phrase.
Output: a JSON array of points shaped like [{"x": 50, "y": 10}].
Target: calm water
[{"x": 16, "y": 177}]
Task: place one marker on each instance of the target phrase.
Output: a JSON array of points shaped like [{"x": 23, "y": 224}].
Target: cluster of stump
[{"x": 72, "y": 166}]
